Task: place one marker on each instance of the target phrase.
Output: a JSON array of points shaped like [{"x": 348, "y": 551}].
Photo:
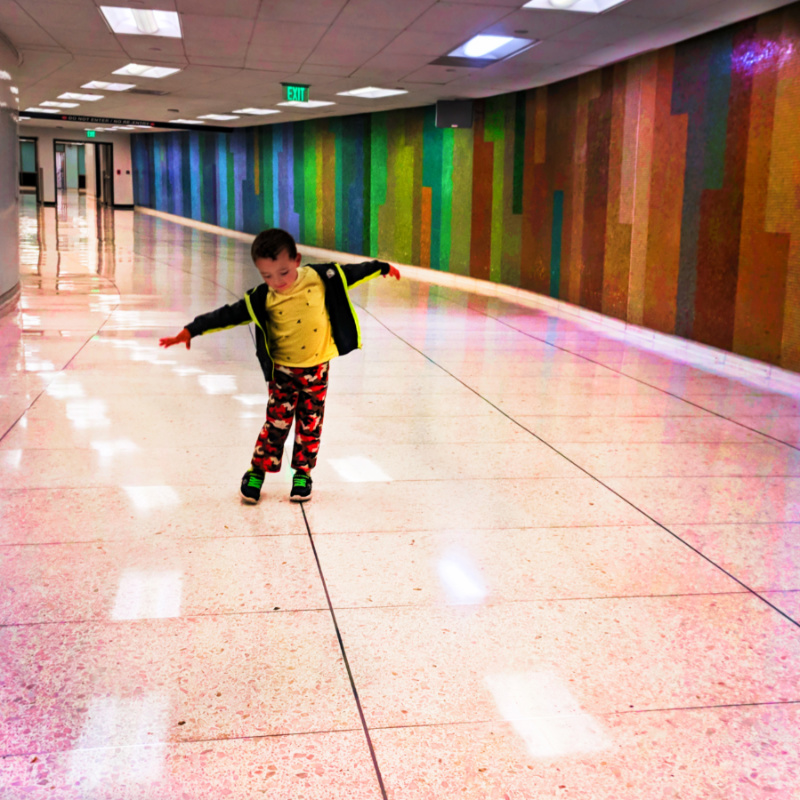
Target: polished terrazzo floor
[{"x": 540, "y": 561}]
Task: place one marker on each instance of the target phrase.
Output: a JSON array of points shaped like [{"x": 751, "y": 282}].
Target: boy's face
[{"x": 279, "y": 273}]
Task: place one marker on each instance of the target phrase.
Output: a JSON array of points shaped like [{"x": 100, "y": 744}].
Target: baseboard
[{"x": 722, "y": 362}]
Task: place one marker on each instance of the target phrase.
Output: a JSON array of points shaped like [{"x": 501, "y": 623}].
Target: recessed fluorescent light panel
[
  {"x": 44, "y": 110},
  {"x": 58, "y": 104},
  {"x": 581, "y": 6},
  {"x": 76, "y": 96},
  {"x": 217, "y": 116},
  {"x": 491, "y": 48},
  {"x": 307, "y": 104},
  {"x": 188, "y": 121},
  {"x": 373, "y": 92},
  {"x": 109, "y": 87},
  {"x": 142, "y": 21},
  {"x": 256, "y": 112},
  {"x": 145, "y": 71}
]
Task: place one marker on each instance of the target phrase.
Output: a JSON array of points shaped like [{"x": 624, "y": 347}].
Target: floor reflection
[{"x": 62, "y": 245}]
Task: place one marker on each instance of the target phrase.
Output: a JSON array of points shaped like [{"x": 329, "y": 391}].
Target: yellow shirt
[{"x": 300, "y": 329}]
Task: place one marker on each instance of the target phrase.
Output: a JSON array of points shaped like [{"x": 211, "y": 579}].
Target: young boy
[{"x": 303, "y": 318}]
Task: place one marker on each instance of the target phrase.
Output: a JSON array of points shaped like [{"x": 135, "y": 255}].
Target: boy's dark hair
[{"x": 271, "y": 243}]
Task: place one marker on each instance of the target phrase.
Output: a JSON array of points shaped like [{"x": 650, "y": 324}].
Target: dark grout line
[
  {"x": 601, "y": 715},
  {"x": 178, "y": 743},
  {"x": 589, "y": 474},
  {"x": 374, "y": 757},
  {"x": 182, "y": 617},
  {"x": 399, "y": 606}
]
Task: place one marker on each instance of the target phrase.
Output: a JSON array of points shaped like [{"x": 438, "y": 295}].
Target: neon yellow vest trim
[
  {"x": 347, "y": 295},
  {"x": 258, "y": 324}
]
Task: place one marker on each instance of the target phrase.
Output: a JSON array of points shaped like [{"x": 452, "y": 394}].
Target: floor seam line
[{"x": 346, "y": 660}]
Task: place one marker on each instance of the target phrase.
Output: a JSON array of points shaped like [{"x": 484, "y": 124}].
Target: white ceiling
[{"x": 236, "y": 53}]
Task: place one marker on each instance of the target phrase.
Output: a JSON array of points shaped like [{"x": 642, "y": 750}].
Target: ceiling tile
[
  {"x": 662, "y": 37},
  {"x": 11, "y": 13},
  {"x": 340, "y": 36},
  {"x": 459, "y": 21},
  {"x": 435, "y": 74},
  {"x": 318, "y": 11},
  {"x": 537, "y": 23},
  {"x": 323, "y": 70},
  {"x": 215, "y": 59},
  {"x": 40, "y": 67},
  {"x": 607, "y": 29},
  {"x": 153, "y": 50},
  {"x": 663, "y": 9},
  {"x": 255, "y": 62},
  {"x": 423, "y": 44},
  {"x": 247, "y": 9},
  {"x": 549, "y": 52},
  {"x": 24, "y": 36},
  {"x": 730, "y": 11},
  {"x": 66, "y": 16},
  {"x": 336, "y": 47},
  {"x": 389, "y": 14},
  {"x": 286, "y": 36},
  {"x": 197, "y": 27},
  {"x": 390, "y": 65},
  {"x": 163, "y": 5}
]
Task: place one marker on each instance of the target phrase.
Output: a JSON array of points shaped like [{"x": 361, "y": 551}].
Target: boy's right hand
[{"x": 184, "y": 336}]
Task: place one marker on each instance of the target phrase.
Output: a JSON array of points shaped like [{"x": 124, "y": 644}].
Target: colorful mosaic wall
[{"x": 664, "y": 190}]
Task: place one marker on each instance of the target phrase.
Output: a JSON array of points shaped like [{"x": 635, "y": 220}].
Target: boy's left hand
[{"x": 394, "y": 272}]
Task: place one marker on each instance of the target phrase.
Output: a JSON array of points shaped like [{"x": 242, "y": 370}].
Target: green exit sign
[
  {"x": 296, "y": 93},
  {"x": 91, "y": 134}
]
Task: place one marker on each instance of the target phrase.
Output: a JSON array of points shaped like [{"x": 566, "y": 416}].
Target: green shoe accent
[
  {"x": 252, "y": 482},
  {"x": 301, "y": 487}
]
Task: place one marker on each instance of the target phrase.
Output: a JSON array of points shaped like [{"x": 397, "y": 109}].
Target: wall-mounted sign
[
  {"x": 296, "y": 93},
  {"x": 141, "y": 123},
  {"x": 91, "y": 134}
]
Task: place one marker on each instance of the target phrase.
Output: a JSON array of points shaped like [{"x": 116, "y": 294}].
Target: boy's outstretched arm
[
  {"x": 221, "y": 318},
  {"x": 358, "y": 273},
  {"x": 184, "y": 337}
]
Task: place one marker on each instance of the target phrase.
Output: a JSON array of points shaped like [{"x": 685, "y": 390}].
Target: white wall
[
  {"x": 9, "y": 180},
  {"x": 123, "y": 179}
]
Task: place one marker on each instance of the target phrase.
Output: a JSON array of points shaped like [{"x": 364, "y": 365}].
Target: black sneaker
[
  {"x": 251, "y": 486},
  {"x": 301, "y": 487}
]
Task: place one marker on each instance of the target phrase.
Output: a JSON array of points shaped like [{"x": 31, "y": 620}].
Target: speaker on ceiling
[{"x": 454, "y": 113}]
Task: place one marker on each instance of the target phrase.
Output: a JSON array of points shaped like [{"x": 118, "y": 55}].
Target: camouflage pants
[{"x": 294, "y": 393}]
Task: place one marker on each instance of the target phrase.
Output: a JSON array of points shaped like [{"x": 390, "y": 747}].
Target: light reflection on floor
[{"x": 561, "y": 564}]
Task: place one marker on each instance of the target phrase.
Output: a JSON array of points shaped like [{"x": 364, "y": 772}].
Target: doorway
[
  {"x": 29, "y": 166},
  {"x": 70, "y": 167},
  {"x": 84, "y": 169},
  {"x": 104, "y": 173}
]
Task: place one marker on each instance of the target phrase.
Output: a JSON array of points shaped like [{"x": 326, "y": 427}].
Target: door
[{"x": 104, "y": 171}]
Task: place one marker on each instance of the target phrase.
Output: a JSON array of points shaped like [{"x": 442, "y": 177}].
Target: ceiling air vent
[{"x": 156, "y": 92}]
